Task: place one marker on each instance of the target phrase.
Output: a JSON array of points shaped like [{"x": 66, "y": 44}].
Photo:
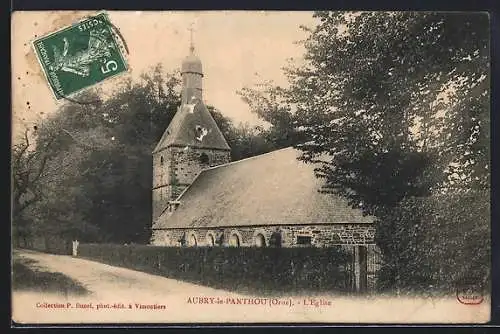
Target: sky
[{"x": 237, "y": 48}]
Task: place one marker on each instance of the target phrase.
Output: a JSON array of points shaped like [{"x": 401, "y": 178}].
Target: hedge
[
  {"x": 432, "y": 244},
  {"x": 263, "y": 270}
]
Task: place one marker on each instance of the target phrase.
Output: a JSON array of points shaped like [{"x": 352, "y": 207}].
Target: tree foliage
[
  {"x": 97, "y": 183},
  {"x": 371, "y": 97},
  {"x": 28, "y": 167},
  {"x": 268, "y": 102},
  {"x": 441, "y": 241},
  {"x": 244, "y": 139},
  {"x": 393, "y": 106}
]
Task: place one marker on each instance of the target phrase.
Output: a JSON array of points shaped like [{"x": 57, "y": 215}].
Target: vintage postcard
[{"x": 250, "y": 167}]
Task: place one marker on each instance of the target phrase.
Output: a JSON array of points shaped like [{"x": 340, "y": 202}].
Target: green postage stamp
[{"x": 80, "y": 55}]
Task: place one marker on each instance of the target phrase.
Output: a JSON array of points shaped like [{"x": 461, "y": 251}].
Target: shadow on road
[{"x": 28, "y": 276}]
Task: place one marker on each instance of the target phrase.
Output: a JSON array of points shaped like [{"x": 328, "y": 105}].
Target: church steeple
[
  {"x": 192, "y": 76},
  {"x": 191, "y": 143},
  {"x": 192, "y": 125},
  {"x": 191, "y": 45}
]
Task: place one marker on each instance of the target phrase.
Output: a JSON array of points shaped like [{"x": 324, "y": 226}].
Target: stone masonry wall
[
  {"x": 175, "y": 168},
  {"x": 321, "y": 235},
  {"x": 186, "y": 164}
]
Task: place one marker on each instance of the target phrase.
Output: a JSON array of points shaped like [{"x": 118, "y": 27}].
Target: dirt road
[
  {"x": 119, "y": 295},
  {"x": 104, "y": 281}
]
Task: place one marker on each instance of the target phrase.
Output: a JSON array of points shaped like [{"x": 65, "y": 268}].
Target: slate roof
[
  {"x": 269, "y": 189},
  {"x": 182, "y": 129}
]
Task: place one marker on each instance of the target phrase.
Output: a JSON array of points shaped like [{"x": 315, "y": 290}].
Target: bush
[
  {"x": 265, "y": 270},
  {"x": 434, "y": 243}
]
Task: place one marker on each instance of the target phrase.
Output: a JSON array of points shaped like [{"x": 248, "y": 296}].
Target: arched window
[
  {"x": 204, "y": 158},
  {"x": 192, "y": 240},
  {"x": 234, "y": 241},
  {"x": 161, "y": 160},
  {"x": 260, "y": 241}
]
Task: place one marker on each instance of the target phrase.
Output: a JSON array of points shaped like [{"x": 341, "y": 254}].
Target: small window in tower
[
  {"x": 161, "y": 160},
  {"x": 204, "y": 158}
]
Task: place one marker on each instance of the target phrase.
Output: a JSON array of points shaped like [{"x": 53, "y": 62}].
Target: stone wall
[
  {"x": 175, "y": 168},
  {"x": 186, "y": 164},
  {"x": 319, "y": 235}
]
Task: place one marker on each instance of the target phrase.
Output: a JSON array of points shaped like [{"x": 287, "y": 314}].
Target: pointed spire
[
  {"x": 191, "y": 46},
  {"x": 192, "y": 74}
]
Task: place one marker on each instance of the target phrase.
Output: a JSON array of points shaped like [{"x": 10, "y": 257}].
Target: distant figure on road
[{"x": 75, "y": 247}]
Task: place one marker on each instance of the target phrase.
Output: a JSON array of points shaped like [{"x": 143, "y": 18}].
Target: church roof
[
  {"x": 193, "y": 126},
  {"x": 270, "y": 189}
]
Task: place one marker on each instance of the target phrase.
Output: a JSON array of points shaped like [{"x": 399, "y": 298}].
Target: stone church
[{"x": 202, "y": 199}]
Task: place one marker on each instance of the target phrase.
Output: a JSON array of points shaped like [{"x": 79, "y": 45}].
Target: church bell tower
[{"x": 191, "y": 143}]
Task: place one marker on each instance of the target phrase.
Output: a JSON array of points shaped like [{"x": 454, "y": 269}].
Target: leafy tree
[
  {"x": 249, "y": 141},
  {"x": 393, "y": 106},
  {"x": 66, "y": 139},
  {"x": 245, "y": 140},
  {"x": 270, "y": 104},
  {"x": 440, "y": 241},
  {"x": 363, "y": 89},
  {"x": 28, "y": 166},
  {"x": 97, "y": 183}
]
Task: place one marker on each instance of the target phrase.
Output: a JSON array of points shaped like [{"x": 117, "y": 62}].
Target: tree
[
  {"x": 363, "y": 91},
  {"x": 97, "y": 182},
  {"x": 244, "y": 140},
  {"x": 269, "y": 103},
  {"x": 365, "y": 87},
  {"x": 118, "y": 180},
  {"x": 439, "y": 241},
  {"x": 61, "y": 143},
  {"x": 249, "y": 141},
  {"x": 28, "y": 166},
  {"x": 392, "y": 106}
]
